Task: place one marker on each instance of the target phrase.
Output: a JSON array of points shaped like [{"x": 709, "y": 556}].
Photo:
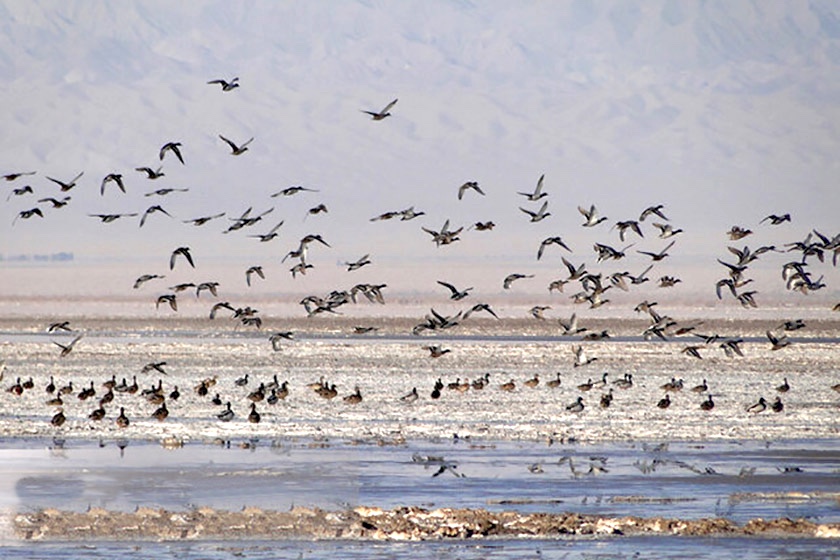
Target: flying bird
[
  {"x": 69, "y": 184},
  {"x": 183, "y": 251},
  {"x": 551, "y": 241},
  {"x": 351, "y": 266},
  {"x": 13, "y": 176},
  {"x": 26, "y": 214},
  {"x": 251, "y": 271},
  {"x": 294, "y": 189},
  {"x": 108, "y": 218},
  {"x": 151, "y": 173},
  {"x": 776, "y": 220},
  {"x": 511, "y": 278},
  {"x": 152, "y": 210},
  {"x": 174, "y": 147},
  {"x": 469, "y": 185},
  {"x": 457, "y": 294},
  {"x": 660, "y": 255},
  {"x": 20, "y": 192},
  {"x": 537, "y": 194},
  {"x": 237, "y": 150},
  {"x": 272, "y": 233},
  {"x": 145, "y": 278},
  {"x": 55, "y": 202},
  {"x": 656, "y": 210},
  {"x": 378, "y": 116},
  {"x": 67, "y": 348},
  {"x": 591, "y": 215},
  {"x": 203, "y": 220},
  {"x": 540, "y": 214},
  {"x": 112, "y": 178},
  {"x": 226, "y": 86},
  {"x": 171, "y": 299}
]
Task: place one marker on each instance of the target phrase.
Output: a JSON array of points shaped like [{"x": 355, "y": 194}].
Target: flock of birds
[{"x": 592, "y": 287}]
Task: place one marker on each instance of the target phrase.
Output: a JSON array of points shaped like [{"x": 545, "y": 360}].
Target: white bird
[
  {"x": 537, "y": 194},
  {"x": 591, "y": 215}
]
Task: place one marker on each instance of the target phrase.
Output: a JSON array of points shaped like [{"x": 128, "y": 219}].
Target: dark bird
[
  {"x": 145, "y": 278},
  {"x": 55, "y": 202},
  {"x": 776, "y": 220},
  {"x": 436, "y": 351},
  {"x": 482, "y": 226},
  {"x": 183, "y": 251},
  {"x": 151, "y": 173},
  {"x": 576, "y": 406},
  {"x": 14, "y": 176},
  {"x": 173, "y": 147},
  {"x": 122, "y": 420},
  {"x": 655, "y": 210},
  {"x": 664, "y": 402},
  {"x": 161, "y": 413},
  {"x": 354, "y": 398},
  {"x": 20, "y": 192},
  {"x": 108, "y": 218},
  {"x": 154, "y": 366},
  {"x": 776, "y": 405},
  {"x": 165, "y": 191},
  {"x": 69, "y": 184},
  {"x": 551, "y": 241},
  {"x": 632, "y": 225},
  {"x": 254, "y": 416},
  {"x": 226, "y": 86},
  {"x": 152, "y": 210},
  {"x": 777, "y": 342},
  {"x": 293, "y": 190},
  {"x": 272, "y": 233},
  {"x": 251, "y": 271},
  {"x": 234, "y": 149},
  {"x": 656, "y": 257},
  {"x": 26, "y": 214},
  {"x": 115, "y": 178},
  {"x": 351, "y": 266},
  {"x": 784, "y": 387},
  {"x": 469, "y": 185},
  {"x": 60, "y": 326},
  {"x": 758, "y": 407},
  {"x": 378, "y": 116},
  {"x": 58, "y": 418},
  {"x": 457, "y": 294},
  {"x": 203, "y": 220},
  {"x": 666, "y": 230},
  {"x": 171, "y": 299},
  {"x": 227, "y": 414},
  {"x": 511, "y": 278},
  {"x": 708, "y": 404}
]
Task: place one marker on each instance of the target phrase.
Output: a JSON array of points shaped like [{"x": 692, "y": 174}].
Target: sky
[{"x": 723, "y": 112}]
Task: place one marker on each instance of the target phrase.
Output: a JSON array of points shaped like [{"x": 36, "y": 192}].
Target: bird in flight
[
  {"x": 67, "y": 348},
  {"x": 467, "y": 186},
  {"x": 185, "y": 252},
  {"x": 13, "y": 176},
  {"x": 378, "y": 116},
  {"x": 591, "y": 216},
  {"x": 173, "y": 147},
  {"x": 69, "y": 184},
  {"x": 152, "y": 210},
  {"x": 26, "y": 214},
  {"x": 456, "y": 293},
  {"x": 226, "y": 86},
  {"x": 151, "y": 173},
  {"x": 538, "y": 215},
  {"x": 537, "y": 194},
  {"x": 108, "y": 218},
  {"x": 109, "y": 178},
  {"x": 237, "y": 150},
  {"x": 203, "y": 220}
]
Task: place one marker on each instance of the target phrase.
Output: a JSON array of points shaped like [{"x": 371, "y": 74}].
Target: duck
[
  {"x": 227, "y": 414},
  {"x": 664, "y": 402},
  {"x": 87, "y": 392},
  {"x": 184, "y": 252},
  {"x": 58, "y": 418},
  {"x": 533, "y": 382},
  {"x": 606, "y": 399},
  {"x": 115, "y": 178},
  {"x": 784, "y": 387},
  {"x": 242, "y": 381},
  {"x": 67, "y": 348},
  {"x": 555, "y": 240},
  {"x": 55, "y": 401},
  {"x": 66, "y": 186},
  {"x": 436, "y": 351},
  {"x": 217, "y": 400},
  {"x": 161, "y": 413},
  {"x": 107, "y": 397},
  {"x": 354, "y": 398},
  {"x": 67, "y": 389},
  {"x": 539, "y": 215},
  {"x": 379, "y": 115},
  {"x": 701, "y": 388},
  {"x": 50, "y": 388},
  {"x": 625, "y": 382},
  {"x": 174, "y": 147},
  {"x": 708, "y": 404},
  {"x": 328, "y": 392},
  {"x": 586, "y": 386},
  {"x": 591, "y": 215},
  {"x": 151, "y": 174},
  {"x": 537, "y": 194},
  {"x": 282, "y": 391},
  {"x": 436, "y": 390},
  {"x": 511, "y": 278},
  {"x": 758, "y": 407},
  {"x": 673, "y": 385},
  {"x": 175, "y": 394},
  {"x": 97, "y": 414},
  {"x": 653, "y": 210},
  {"x": 410, "y": 397},
  {"x": 254, "y": 416},
  {"x": 479, "y": 383},
  {"x": 226, "y": 85},
  {"x": 258, "y": 270},
  {"x": 576, "y": 406},
  {"x": 456, "y": 294},
  {"x": 508, "y": 387},
  {"x": 258, "y": 394},
  {"x": 237, "y": 150},
  {"x": 122, "y": 419},
  {"x": 777, "y": 405}
]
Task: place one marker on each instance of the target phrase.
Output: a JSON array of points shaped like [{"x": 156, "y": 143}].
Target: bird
[
  {"x": 234, "y": 149},
  {"x": 152, "y": 210},
  {"x": 15, "y": 176},
  {"x": 533, "y": 381},
  {"x": 457, "y": 294},
  {"x": 708, "y": 404},
  {"x": 203, "y": 219},
  {"x": 154, "y": 366},
  {"x": 170, "y": 299},
  {"x": 122, "y": 420},
  {"x": 66, "y": 186},
  {"x": 67, "y": 348},
  {"x": 379, "y": 115},
  {"x": 174, "y": 147},
  {"x": 666, "y": 230},
  {"x": 151, "y": 174},
  {"x": 251, "y": 271},
  {"x": 108, "y": 218},
  {"x": 145, "y": 278},
  {"x": 254, "y": 416},
  {"x": 576, "y": 406},
  {"x": 511, "y": 278},
  {"x": 20, "y": 192},
  {"x": 591, "y": 215},
  {"x": 570, "y": 327},
  {"x": 701, "y": 388},
  {"x": 436, "y": 351},
  {"x": 540, "y": 214},
  {"x": 480, "y": 307},
  {"x": 508, "y": 387},
  {"x": 656, "y": 257},
  {"x": 161, "y": 413},
  {"x": 165, "y": 191},
  {"x": 410, "y": 397},
  {"x": 227, "y": 414},
  {"x": 56, "y": 203},
  {"x": 60, "y": 326},
  {"x": 777, "y": 342},
  {"x": 664, "y": 402},
  {"x": 26, "y": 214},
  {"x": 184, "y": 252},
  {"x": 777, "y": 405},
  {"x": 537, "y": 194},
  {"x": 758, "y": 407},
  {"x": 354, "y": 398},
  {"x": 351, "y": 266},
  {"x": 538, "y": 310},
  {"x": 776, "y": 220},
  {"x": 212, "y": 287},
  {"x": 482, "y": 226},
  {"x": 655, "y": 210},
  {"x": 784, "y": 387},
  {"x": 97, "y": 414},
  {"x": 226, "y": 85},
  {"x": 469, "y": 185},
  {"x": 581, "y": 359},
  {"x": 557, "y": 240},
  {"x": 272, "y": 233},
  {"x": 58, "y": 418},
  {"x": 294, "y": 189},
  {"x": 623, "y": 226}
]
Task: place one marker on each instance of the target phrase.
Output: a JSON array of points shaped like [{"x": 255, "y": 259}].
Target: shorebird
[
  {"x": 540, "y": 214},
  {"x": 511, "y": 278},
  {"x": 469, "y": 185},
  {"x": 591, "y": 215},
  {"x": 184, "y": 252},
  {"x": 67, "y": 348},
  {"x": 69, "y": 184},
  {"x": 226, "y": 86},
  {"x": 379, "y": 115},
  {"x": 234, "y": 149},
  {"x": 251, "y": 271},
  {"x": 173, "y": 147},
  {"x": 151, "y": 174},
  {"x": 537, "y": 194},
  {"x": 556, "y": 240},
  {"x": 457, "y": 294}
]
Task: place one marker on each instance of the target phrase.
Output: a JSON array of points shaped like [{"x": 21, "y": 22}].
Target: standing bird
[
  {"x": 237, "y": 150},
  {"x": 378, "y": 116},
  {"x": 173, "y": 147},
  {"x": 226, "y": 86}
]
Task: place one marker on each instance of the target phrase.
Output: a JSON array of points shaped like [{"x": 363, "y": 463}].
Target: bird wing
[{"x": 388, "y": 107}]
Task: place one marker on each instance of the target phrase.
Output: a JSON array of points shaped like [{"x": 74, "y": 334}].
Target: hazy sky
[{"x": 724, "y": 112}]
